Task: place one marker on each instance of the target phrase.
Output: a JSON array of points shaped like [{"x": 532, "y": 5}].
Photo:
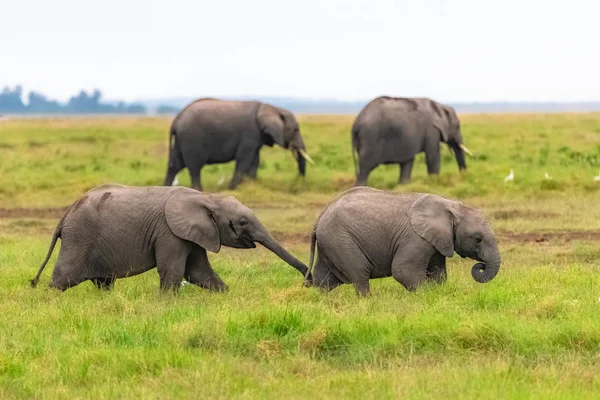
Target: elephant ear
[
  {"x": 432, "y": 218},
  {"x": 441, "y": 120},
  {"x": 271, "y": 123},
  {"x": 189, "y": 218}
]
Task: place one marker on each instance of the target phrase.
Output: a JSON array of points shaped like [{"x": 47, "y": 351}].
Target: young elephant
[
  {"x": 367, "y": 233},
  {"x": 117, "y": 231}
]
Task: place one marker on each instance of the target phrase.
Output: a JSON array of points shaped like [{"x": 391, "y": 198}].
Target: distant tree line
[{"x": 11, "y": 101}]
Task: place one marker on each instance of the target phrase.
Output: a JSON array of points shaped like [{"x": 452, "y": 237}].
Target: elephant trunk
[
  {"x": 460, "y": 155},
  {"x": 267, "y": 240},
  {"x": 301, "y": 163},
  {"x": 485, "y": 271}
]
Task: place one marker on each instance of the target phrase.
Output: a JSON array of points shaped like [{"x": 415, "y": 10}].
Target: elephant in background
[
  {"x": 116, "y": 231},
  {"x": 392, "y": 130},
  {"x": 367, "y": 233},
  {"x": 211, "y": 131}
]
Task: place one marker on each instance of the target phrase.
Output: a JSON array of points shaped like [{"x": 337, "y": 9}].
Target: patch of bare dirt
[
  {"x": 548, "y": 236},
  {"x": 292, "y": 238},
  {"x": 523, "y": 214},
  {"x": 32, "y": 212}
]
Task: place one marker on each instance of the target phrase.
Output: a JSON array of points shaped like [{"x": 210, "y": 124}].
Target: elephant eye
[
  {"x": 478, "y": 239},
  {"x": 243, "y": 222}
]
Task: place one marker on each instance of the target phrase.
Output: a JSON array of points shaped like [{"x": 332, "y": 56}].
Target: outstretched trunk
[
  {"x": 267, "y": 240},
  {"x": 488, "y": 269}
]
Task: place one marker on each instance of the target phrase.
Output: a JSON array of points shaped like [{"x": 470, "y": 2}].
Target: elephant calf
[
  {"x": 117, "y": 231},
  {"x": 367, "y": 233}
]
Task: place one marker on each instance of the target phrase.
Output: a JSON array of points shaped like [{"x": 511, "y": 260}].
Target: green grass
[{"x": 533, "y": 332}]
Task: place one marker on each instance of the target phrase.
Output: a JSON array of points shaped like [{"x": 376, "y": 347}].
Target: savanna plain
[{"x": 533, "y": 332}]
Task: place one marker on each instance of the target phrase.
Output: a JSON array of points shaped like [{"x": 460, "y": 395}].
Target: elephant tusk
[
  {"x": 462, "y": 146},
  {"x": 306, "y": 156}
]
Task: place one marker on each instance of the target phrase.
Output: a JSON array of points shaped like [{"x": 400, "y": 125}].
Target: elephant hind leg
[
  {"x": 365, "y": 166},
  {"x": 406, "y": 171},
  {"x": 323, "y": 277},
  {"x": 62, "y": 280},
  {"x": 199, "y": 272}
]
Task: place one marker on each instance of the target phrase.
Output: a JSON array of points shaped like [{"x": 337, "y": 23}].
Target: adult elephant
[
  {"x": 212, "y": 131},
  {"x": 392, "y": 130},
  {"x": 367, "y": 233}
]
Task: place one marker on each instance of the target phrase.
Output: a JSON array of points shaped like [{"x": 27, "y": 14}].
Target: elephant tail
[
  {"x": 55, "y": 237},
  {"x": 313, "y": 242}
]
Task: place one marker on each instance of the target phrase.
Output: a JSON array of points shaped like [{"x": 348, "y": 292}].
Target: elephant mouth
[{"x": 244, "y": 243}]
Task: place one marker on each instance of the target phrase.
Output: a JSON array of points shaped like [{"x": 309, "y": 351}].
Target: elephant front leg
[
  {"x": 406, "y": 171},
  {"x": 436, "y": 269},
  {"x": 171, "y": 259},
  {"x": 432, "y": 158},
  {"x": 199, "y": 272},
  {"x": 409, "y": 267}
]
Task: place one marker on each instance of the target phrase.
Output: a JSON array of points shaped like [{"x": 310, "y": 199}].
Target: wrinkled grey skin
[
  {"x": 367, "y": 233},
  {"x": 116, "y": 231},
  {"x": 211, "y": 131},
  {"x": 392, "y": 130}
]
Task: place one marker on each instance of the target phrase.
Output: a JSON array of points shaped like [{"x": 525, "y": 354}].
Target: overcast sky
[{"x": 451, "y": 50}]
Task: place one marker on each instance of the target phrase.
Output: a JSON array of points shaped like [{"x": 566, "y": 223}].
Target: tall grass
[{"x": 533, "y": 332}]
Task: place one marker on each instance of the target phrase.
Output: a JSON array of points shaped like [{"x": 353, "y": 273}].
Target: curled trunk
[{"x": 487, "y": 270}]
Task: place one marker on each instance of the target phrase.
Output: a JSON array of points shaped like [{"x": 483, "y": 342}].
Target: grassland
[{"x": 533, "y": 332}]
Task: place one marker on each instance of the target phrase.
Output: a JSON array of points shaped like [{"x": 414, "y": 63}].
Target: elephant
[
  {"x": 392, "y": 130},
  {"x": 213, "y": 131},
  {"x": 116, "y": 231},
  {"x": 367, "y": 233}
]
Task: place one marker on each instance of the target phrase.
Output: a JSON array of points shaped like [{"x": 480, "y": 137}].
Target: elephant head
[
  {"x": 451, "y": 226},
  {"x": 447, "y": 123},
  {"x": 280, "y": 126},
  {"x": 212, "y": 220}
]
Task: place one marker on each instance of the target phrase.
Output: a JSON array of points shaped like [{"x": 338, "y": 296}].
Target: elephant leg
[
  {"x": 252, "y": 173},
  {"x": 171, "y": 256},
  {"x": 199, "y": 272},
  {"x": 62, "y": 279},
  {"x": 409, "y": 267},
  {"x": 104, "y": 283},
  {"x": 195, "y": 178},
  {"x": 243, "y": 162},
  {"x": 350, "y": 263},
  {"x": 69, "y": 268},
  {"x": 436, "y": 269},
  {"x": 432, "y": 158},
  {"x": 170, "y": 177},
  {"x": 406, "y": 171},
  {"x": 322, "y": 276},
  {"x": 365, "y": 167}
]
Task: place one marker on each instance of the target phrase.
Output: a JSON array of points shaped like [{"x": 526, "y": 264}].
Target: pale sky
[{"x": 450, "y": 50}]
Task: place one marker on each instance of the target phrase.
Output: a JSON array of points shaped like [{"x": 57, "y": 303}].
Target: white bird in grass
[
  {"x": 510, "y": 177},
  {"x": 547, "y": 176},
  {"x": 221, "y": 180},
  {"x": 175, "y": 182},
  {"x": 597, "y": 178}
]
